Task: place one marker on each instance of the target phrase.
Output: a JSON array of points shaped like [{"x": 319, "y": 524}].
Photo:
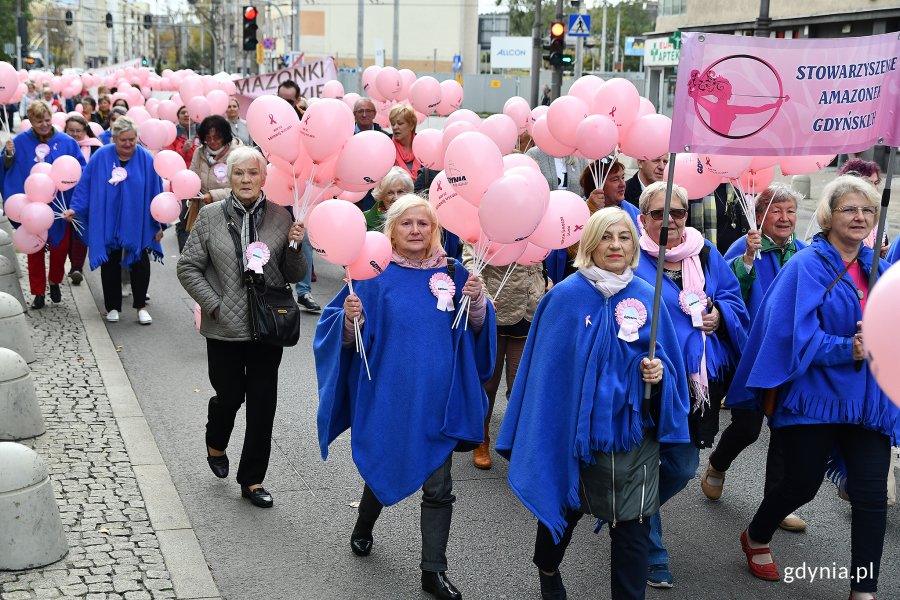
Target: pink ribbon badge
[
  {"x": 119, "y": 174},
  {"x": 443, "y": 288},
  {"x": 40, "y": 152},
  {"x": 257, "y": 255},
  {"x": 272, "y": 120},
  {"x": 631, "y": 315},
  {"x": 220, "y": 171},
  {"x": 693, "y": 303}
]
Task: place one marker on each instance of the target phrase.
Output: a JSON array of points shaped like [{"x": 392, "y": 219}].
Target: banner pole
[
  {"x": 657, "y": 289},
  {"x": 882, "y": 221}
]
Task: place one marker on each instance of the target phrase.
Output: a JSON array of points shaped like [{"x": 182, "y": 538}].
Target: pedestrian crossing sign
[{"x": 579, "y": 25}]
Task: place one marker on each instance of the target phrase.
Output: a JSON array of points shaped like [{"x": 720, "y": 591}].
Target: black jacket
[{"x": 633, "y": 190}]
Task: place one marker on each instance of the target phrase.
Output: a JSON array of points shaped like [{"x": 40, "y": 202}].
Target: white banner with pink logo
[
  {"x": 311, "y": 76},
  {"x": 761, "y": 96}
]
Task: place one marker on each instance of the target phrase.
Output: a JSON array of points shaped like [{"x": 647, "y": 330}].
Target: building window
[{"x": 672, "y": 7}]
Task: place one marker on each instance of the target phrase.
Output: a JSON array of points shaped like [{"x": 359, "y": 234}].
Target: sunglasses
[{"x": 676, "y": 213}]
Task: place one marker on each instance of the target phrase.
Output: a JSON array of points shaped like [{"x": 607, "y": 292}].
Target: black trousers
[
  {"x": 867, "y": 456},
  {"x": 628, "y": 560},
  {"x": 111, "y": 279},
  {"x": 742, "y": 432},
  {"x": 239, "y": 371}
]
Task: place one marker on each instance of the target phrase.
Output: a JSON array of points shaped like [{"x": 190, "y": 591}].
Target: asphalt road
[{"x": 299, "y": 549}]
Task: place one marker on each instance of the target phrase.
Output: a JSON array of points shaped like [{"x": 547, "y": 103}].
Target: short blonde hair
[
  {"x": 242, "y": 153},
  {"x": 402, "y": 112},
  {"x": 123, "y": 124},
  {"x": 659, "y": 187},
  {"x": 403, "y": 204},
  {"x": 594, "y": 229},
  {"x": 396, "y": 176},
  {"x": 837, "y": 189},
  {"x": 38, "y": 109}
]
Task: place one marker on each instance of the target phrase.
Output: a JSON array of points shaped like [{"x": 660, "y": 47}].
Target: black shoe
[
  {"x": 361, "y": 540},
  {"x": 552, "y": 587},
  {"x": 307, "y": 302},
  {"x": 218, "y": 465},
  {"x": 439, "y": 586},
  {"x": 55, "y": 294},
  {"x": 76, "y": 277},
  {"x": 258, "y": 497},
  {"x": 38, "y": 302}
]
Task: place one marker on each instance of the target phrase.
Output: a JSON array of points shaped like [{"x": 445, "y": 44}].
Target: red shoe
[{"x": 767, "y": 572}]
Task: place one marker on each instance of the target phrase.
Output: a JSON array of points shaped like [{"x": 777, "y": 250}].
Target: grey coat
[
  {"x": 574, "y": 168},
  {"x": 209, "y": 270}
]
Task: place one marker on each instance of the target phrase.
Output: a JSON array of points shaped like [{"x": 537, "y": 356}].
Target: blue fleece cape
[
  {"x": 579, "y": 390},
  {"x": 723, "y": 288},
  {"x": 118, "y": 216},
  {"x": 767, "y": 269},
  {"x": 105, "y": 137},
  {"x": 14, "y": 182},
  {"x": 893, "y": 254},
  {"x": 426, "y": 390},
  {"x": 801, "y": 344}
]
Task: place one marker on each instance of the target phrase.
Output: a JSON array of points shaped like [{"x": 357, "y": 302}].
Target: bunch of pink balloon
[
  {"x": 881, "y": 332},
  {"x": 179, "y": 182}
]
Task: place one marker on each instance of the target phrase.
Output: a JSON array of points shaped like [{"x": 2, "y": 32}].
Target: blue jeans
[
  {"x": 303, "y": 286},
  {"x": 678, "y": 465}
]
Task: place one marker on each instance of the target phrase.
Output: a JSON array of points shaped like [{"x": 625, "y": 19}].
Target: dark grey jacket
[{"x": 210, "y": 272}]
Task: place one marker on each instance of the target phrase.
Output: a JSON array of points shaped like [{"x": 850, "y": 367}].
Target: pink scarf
[
  {"x": 688, "y": 254},
  {"x": 405, "y": 156},
  {"x": 437, "y": 259},
  {"x": 86, "y": 144}
]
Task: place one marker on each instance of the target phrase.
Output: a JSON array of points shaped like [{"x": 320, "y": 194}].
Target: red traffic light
[
  {"x": 250, "y": 13},
  {"x": 557, "y": 29}
]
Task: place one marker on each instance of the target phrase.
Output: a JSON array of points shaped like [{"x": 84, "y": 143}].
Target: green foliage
[{"x": 8, "y": 26}]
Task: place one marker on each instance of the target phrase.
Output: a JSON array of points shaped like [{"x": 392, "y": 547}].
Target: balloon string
[
  {"x": 357, "y": 333},
  {"x": 506, "y": 277}
]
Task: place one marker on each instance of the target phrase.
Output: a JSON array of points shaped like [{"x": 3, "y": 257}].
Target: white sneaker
[
  {"x": 144, "y": 317},
  {"x": 112, "y": 316},
  {"x": 126, "y": 290}
]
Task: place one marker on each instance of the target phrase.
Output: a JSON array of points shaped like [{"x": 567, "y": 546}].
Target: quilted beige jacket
[
  {"x": 209, "y": 270},
  {"x": 519, "y": 297}
]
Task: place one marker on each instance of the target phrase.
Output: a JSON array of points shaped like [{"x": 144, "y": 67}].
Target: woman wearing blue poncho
[
  {"x": 806, "y": 368},
  {"x": 425, "y": 396},
  {"x": 578, "y": 434}
]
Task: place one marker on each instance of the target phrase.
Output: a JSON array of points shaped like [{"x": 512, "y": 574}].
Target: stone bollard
[
  {"x": 5, "y": 225},
  {"x": 9, "y": 281},
  {"x": 31, "y": 531},
  {"x": 801, "y": 184},
  {"x": 15, "y": 332},
  {"x": 20, "y": 413},
  {"x": 9, "y": 251}
]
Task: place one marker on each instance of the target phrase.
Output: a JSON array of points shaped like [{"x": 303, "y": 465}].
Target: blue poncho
[
  {"x": 14, "y": 182},
  {"x": 118, "y": 215},
  {"x": 723, "y": 288},
  {"x": 426, "y": 390},
  {"x": 893, "y": 254},
  {"x": 801, "y": 344},
  {"x": 767, "y": 267},
  {"x": 579, "y": 390}
]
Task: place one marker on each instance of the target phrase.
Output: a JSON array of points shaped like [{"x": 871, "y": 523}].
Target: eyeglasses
[
  {"x": 676, "y": 213},
  {"x": 851, "y": 211},
  {"x": 365, "y": 111}
]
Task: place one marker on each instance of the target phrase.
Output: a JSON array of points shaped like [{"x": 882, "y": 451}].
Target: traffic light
[
  {"x": 109, "y": 20},
  {"x": 250, "y": 28},
  {"x": 144, "y": 62},
  {"x": 68, "y": 17},
  {"x": 148, "y": 21},
  {"x": 557, "y": 45}
]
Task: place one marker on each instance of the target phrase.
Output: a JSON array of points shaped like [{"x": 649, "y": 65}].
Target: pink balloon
[
  {"x": 763, "y": 162},
  {"x": 9, "y": 82},
  {"x": 511, "y": 161},
  {"x": 508, "y": 212},
  {"x": 324, "y": 171},
  {"x": 36, "y": 218},
  {"x": 325, "y": 128},
  {"x": 518, "y": 110},
  {"x": 563, "y": 222},
  {"x": 645, "y": 108},
  {"x": 190, "y": 88},
  {"x": 185, "y": 184},
  {"x": 537, "y": 183},
  {"x": 349, "y": 99},
  {"x": 39, "y": 188},
  {"x": 279, "y": 186},
  {"x": 24, "y": 125},
  {"x": 28, "y": 243},
  {"x": 370, "y": 88},
  {"x": 463, "y": 115},
  {"x": 41, "y": 167},
  {"x": 499, "y": 254},
  {"x": 59, "y": 120},
  {"x": 65, "y": 172},
  {"x": 585, "y": 88},
  {"x": 198, "y": 108},
  {"x": 389, "y": 83},
  {"x": 564, "y": 116},
  {"x": 171, "y": 132},
  {"x": 881, "y": 322},
  {"x": 725, "y": 166},
  {"x": 425, "y": 94},
  {"x": 619, "y": 100},
  {"x": 14, "y": 205},
  {"x": 365, "y": 159},
  {"x": 373, "y": 258},
  {"x": 428, "y": 147},
  {"x": 597, "y": 137},
  {"x": 544, "y": 140},
  {"x": 351, "y": 196},
  {"x": 337, "y": 231},
  {"x": 502, "y": 130},
  {"x": 333, "y": 89},
  {"x": 451, "y": 97},
  {"x": 96, "y": 128},
  {"x": 648, "y": 137},
  {"x": 802, "y": 165},
  {"x": 274, "y": 125},
  {"x": 472, "y": 164},
  {"x": 533, "y": 255},
  {"x": 168, "y": 110},
  {"x": 693, "y": 176},
  {"x": 165, "y": 207},
  {"x": 451, "y": 132},
  {"x": 454, "y": 213},
  {"x": 407, "y": 77},
  {"x": 218, "y": 101},
  {"x": 167, "y": 163},
  {"x": 753, "y": 181},
  {"x": 153, "y": 135}
]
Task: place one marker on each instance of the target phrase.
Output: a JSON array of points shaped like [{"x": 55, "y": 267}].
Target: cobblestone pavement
[{"x": 113, "y": 550}]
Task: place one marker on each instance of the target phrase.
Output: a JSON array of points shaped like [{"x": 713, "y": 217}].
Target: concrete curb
[{"x": 188, "y": 569}]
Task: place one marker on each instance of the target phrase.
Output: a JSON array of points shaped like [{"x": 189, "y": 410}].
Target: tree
[{"x": 8, "y": 28}]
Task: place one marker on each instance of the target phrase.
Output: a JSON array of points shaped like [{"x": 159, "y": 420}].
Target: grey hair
[
  {"x": 659, "y": 187},
  {"x": 119, "y": 110},
  {"x": 394, "y": 177},
  {"x": 777, "y": 193},
  {"x": 837, "y": 189},
  {"x": 242, "y": 153},
  {"x": 362, "y": 101},
  {"x": 122, "y": 125}
]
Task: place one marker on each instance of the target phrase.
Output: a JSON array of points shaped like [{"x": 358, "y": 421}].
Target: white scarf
[{"x": 607, "y": 282}]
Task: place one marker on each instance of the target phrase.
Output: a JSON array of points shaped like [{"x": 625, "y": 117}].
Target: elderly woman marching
[
  {"x": 578, "y": 433},
  {"x": 240, "y": 369},
  {"x": 804, "y": 364},
  {"x": 425, "y": 398},
  {"x": 395, "y": 184},
  {"x": 704, "y": 300},
  {"x": 776, "y": 207}
]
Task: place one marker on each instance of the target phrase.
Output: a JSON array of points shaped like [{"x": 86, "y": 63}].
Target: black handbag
[{"x": 274, "y": 314}]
